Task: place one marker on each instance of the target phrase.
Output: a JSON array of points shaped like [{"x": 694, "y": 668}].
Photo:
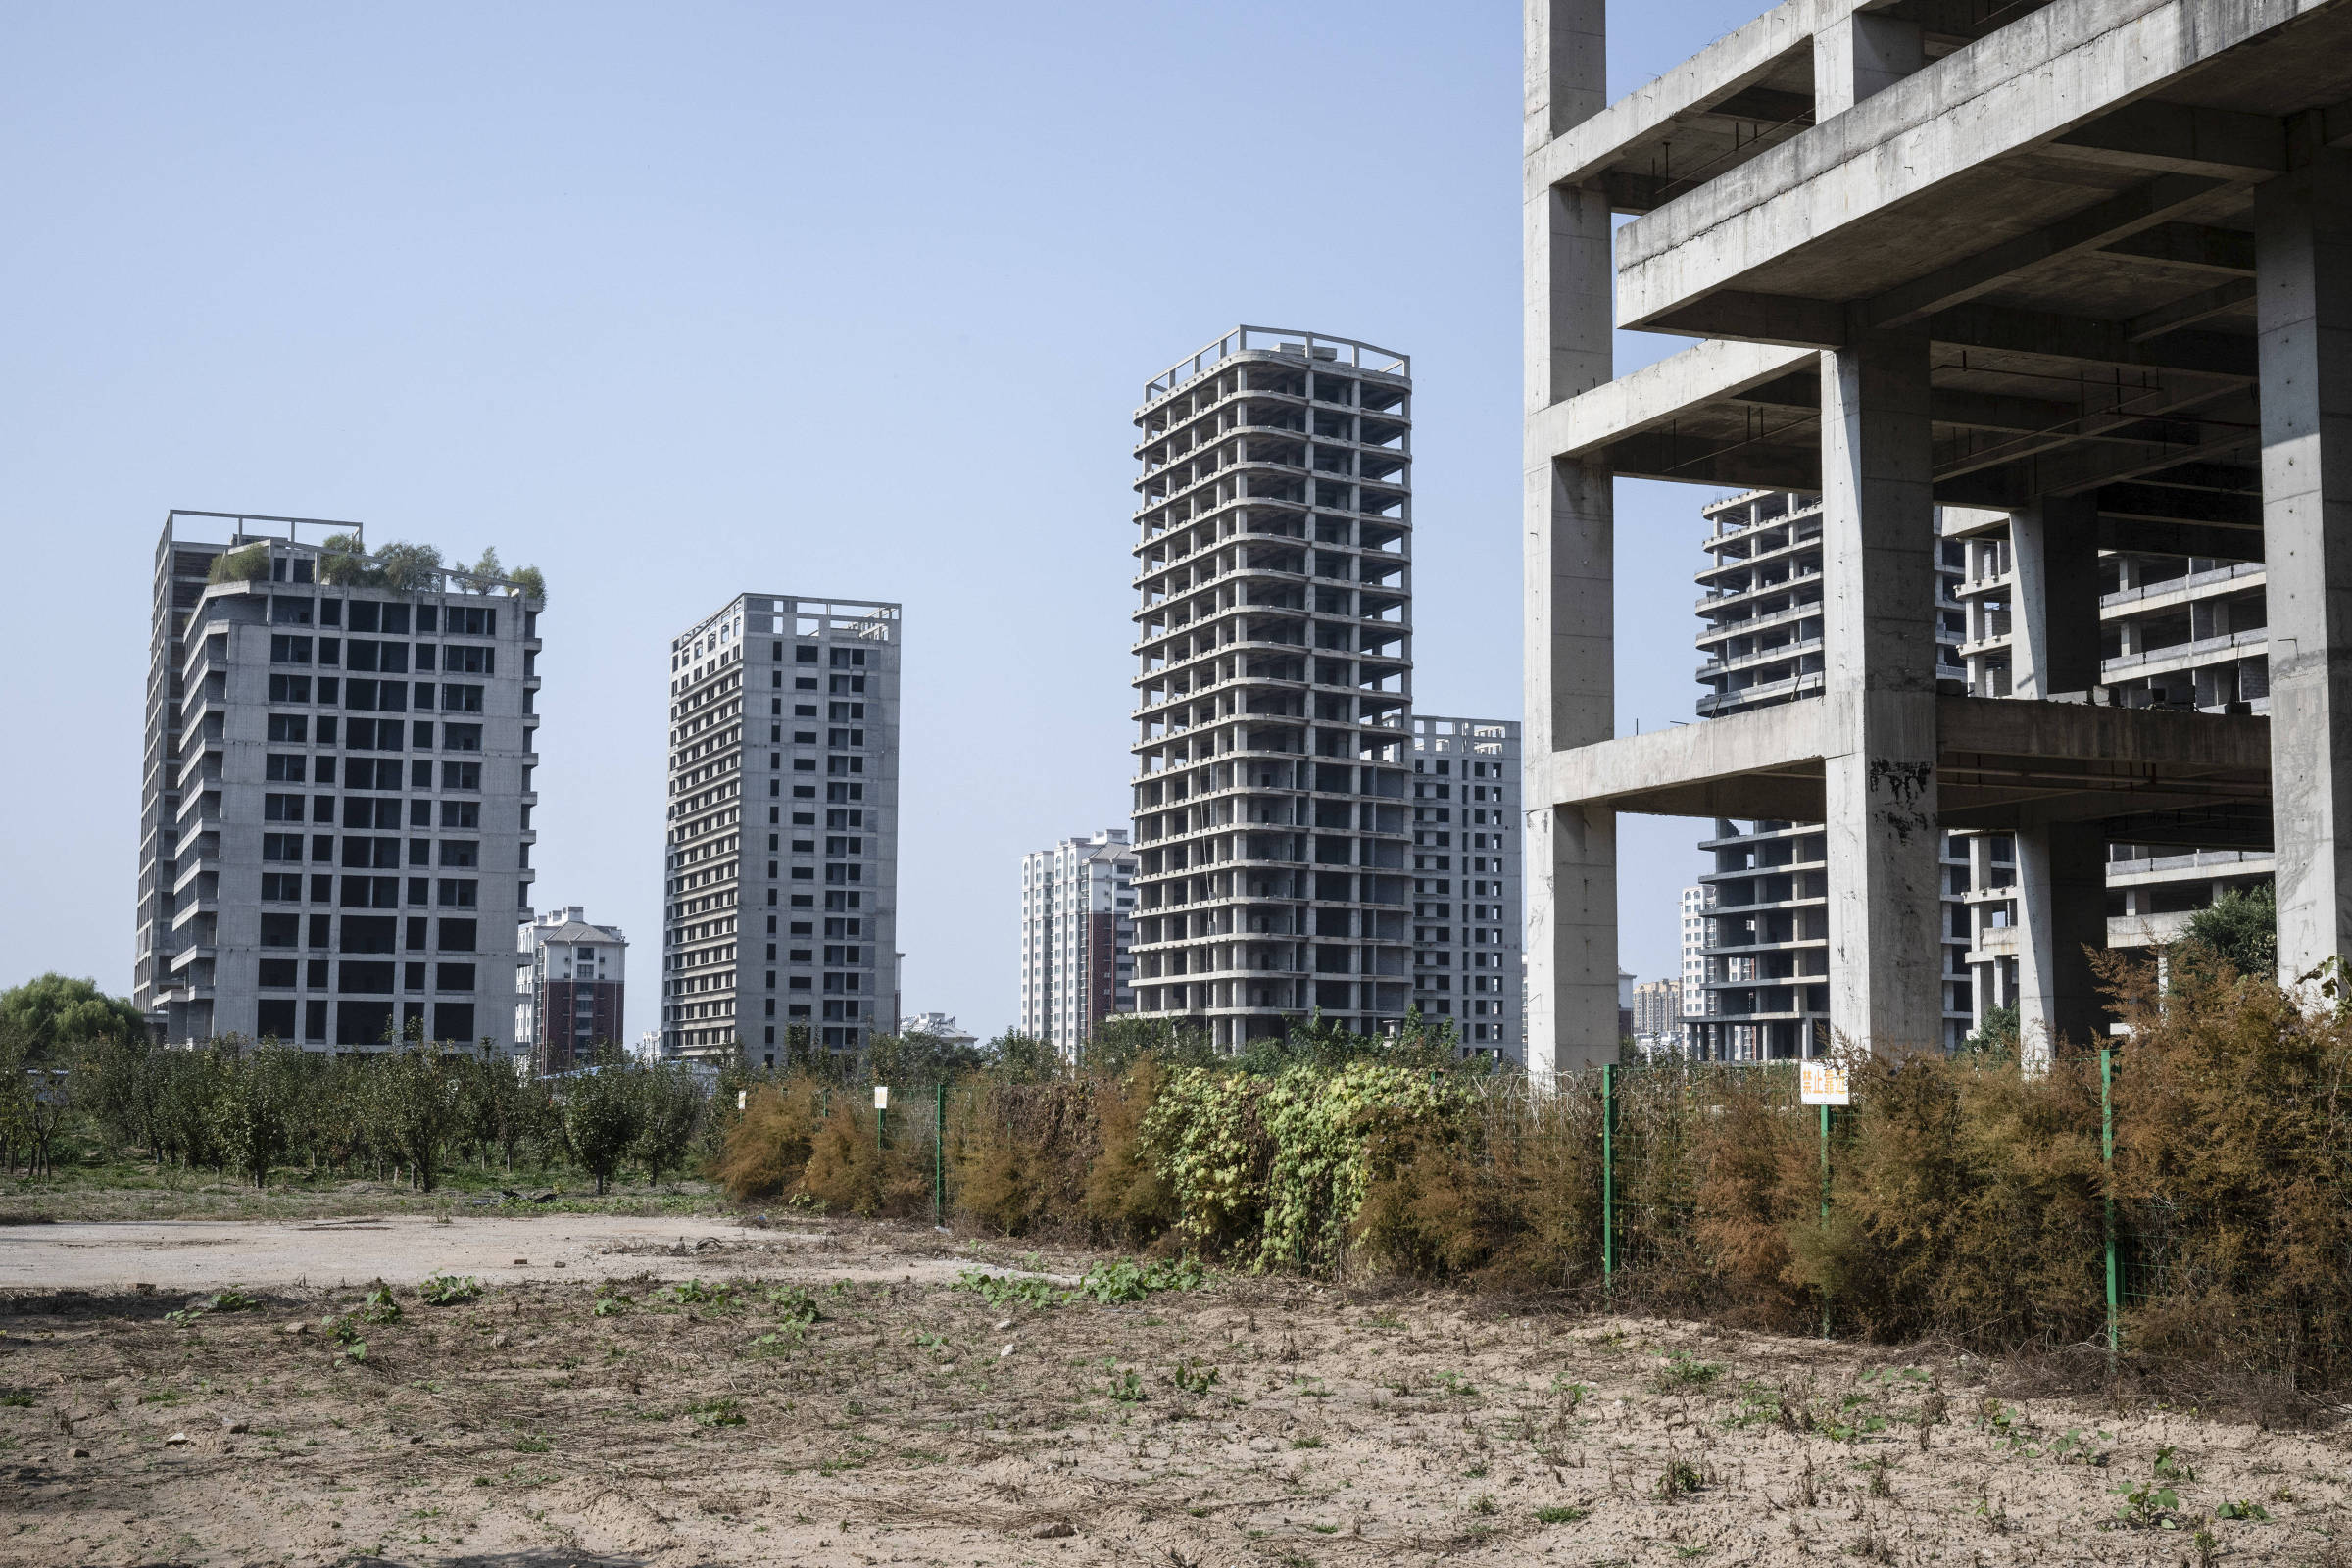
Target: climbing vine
[{"x": 1273, "y": 1169}]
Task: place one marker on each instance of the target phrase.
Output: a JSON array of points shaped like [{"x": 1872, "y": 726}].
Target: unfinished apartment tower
[
  {"x": 2086, "y": 264},
  {"x": 781, "y": 845},
  {"x": 1767, "y": 895},
  {"x": 336, "y": 819},
  {"x": 1467, "y": 881},
  {"x": 1272, "y": 789}
]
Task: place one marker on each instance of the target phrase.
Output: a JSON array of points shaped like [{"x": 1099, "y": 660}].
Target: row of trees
[
  {"x": 78, "y": 1073},
  {"x": 76, "y": 1070},
  {"x": 413, "y": 1111}
]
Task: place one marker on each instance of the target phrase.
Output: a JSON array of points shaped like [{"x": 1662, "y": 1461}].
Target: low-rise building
[{"x": 569, "y": 983}]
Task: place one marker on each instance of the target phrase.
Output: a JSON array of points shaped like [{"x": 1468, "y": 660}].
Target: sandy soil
[
  {"x": 1242, "y": 1424},
  {"x": 184, "y": 1255}
]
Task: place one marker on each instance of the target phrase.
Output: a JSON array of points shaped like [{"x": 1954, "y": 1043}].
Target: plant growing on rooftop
[{"x": 248, "y": 564}]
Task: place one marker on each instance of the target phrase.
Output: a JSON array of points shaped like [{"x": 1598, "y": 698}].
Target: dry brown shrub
[
  {"x": 1965, "y": 1202},
  {"x": 2232, "y": 1174},
  {"x": 1758, "y": 1176},
  {"x": 767, "y": 1147},
  {"x": 1023, "y": 1163},
  {"x": 1126, "y": 1199},
  {"x": 847, "y": 1175},
  {"x": 1507, "y": 1196}
]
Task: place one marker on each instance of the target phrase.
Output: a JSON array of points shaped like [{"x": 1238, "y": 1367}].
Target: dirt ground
[
  {"x": 500, "y": 1249},
  {"x": 1240, "y": 1423}
]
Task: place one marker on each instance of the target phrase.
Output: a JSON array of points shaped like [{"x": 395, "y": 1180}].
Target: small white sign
[
  {"x": 741, "y": 1095},
  {"x": 1823, "y": 1082},
  {"x": 881, "y": 1097}
]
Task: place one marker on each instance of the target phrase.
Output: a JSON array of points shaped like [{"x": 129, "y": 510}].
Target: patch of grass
[
  {"x": 532, "y": 1443},
  {"x": 1561, "y": 1514},
  {"x": 16, "y": 1400},
  {"x": 1682, "y": 1372},
  {"x": 717, "y": 1413},
  {"x": 1307, "y": 1441}
]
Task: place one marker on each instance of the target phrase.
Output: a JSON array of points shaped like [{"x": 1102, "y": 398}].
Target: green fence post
[
  {"x": 1825, "y": 1205},
  {"x": 1608, "y": 1173},
  {"x": 2115, "y": 1302},
  {"x": 881, "y": 1116},
  {"x": 939, "y": 1156}
]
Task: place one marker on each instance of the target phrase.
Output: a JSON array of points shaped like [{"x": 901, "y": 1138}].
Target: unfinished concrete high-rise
[
  {"x": 1274, "y": 640},
  {"x": 1468, "y": 881},
  {"x": 336, "y": 817},
  {"x": 2086, "y": 264},
  {"x": 781, "y": 857},
  {"x": 1765, "y": 956}
]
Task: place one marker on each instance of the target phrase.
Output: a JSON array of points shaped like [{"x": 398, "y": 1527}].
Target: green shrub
[
  {"x": 248, "y": 563},
  {"x": 448, "y": 1290}
]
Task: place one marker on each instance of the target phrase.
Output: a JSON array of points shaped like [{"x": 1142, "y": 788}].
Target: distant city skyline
[{"x": 569, "y": 287}]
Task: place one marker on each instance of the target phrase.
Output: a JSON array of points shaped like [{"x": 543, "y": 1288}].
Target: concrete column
[
  {"x": 1879, "y": 637},
  {"x": 2303, "y": 272},
  {"x": 2061, "y": 868},
  {"x": 2054, "y": 611},
  {"x": 1570, "y": 571},
  {"x": 1860, "y": 55},
  {"x": 2062, "y": 918}
]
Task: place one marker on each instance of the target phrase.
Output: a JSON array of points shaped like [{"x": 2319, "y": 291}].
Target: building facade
[
  {"x": 1658, "y": 1013},
  {"x": 1077, "y": 935},
  {"x": 336, "y": 806},
  {"x": 941, "y": 1026},
  {"x": 570, "y": 981},
  {"x": 2178, "y": 633},
  {"x": 1273, "y": 689},
  {"x": 1693, "y": 993},
  {"x": 780, "y": 927},
  {"x": 1467, "y": 939},
  {"x": 1765, "y": 949}
]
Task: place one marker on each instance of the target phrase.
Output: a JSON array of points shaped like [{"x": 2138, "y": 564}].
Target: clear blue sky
[{"x": 677, "y": 300}]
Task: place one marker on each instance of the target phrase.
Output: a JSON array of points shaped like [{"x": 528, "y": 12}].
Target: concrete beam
[
  {"x": 2178, "y": 138},
  {"x": 2125, "y": 213},
  {"x": 2157, "y": 538},
  {"x": 2090, "y": 342},
  {"x": 1786, "y": 459},
  {"x": 2141, "y": 499},
  {"x": 2197, "y": 246},
  {"x": 2070, "y": 469},
  {"x": 1592, "y": 420},
  {"x": 2074, "y": 63},
  {"x": 1729, "y": 65},
  {"x": 1624, "y": 773},
  {"x": 2189, "y": 310}
]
